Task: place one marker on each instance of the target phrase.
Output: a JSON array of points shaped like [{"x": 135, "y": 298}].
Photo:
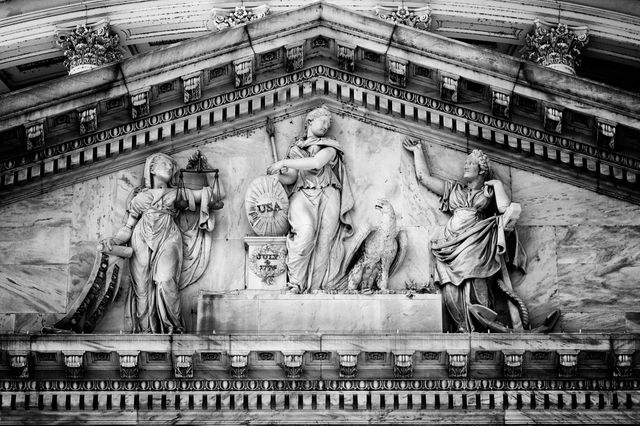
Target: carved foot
[{"x": 293, "y": 290}]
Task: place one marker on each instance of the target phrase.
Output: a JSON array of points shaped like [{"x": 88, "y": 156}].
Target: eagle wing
[{"x": 401, "y": 253}]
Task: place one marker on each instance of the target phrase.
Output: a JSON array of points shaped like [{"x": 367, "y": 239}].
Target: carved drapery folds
[
  {"x": 243, "y": 72},
  {"x": 416, "y": 17},
  {"x": 192, "y": 84},
  {"x": 35, "y": 135},
  {"x": 89, "y": 46},
  {"x": 556, "y": 46},
  {"x": 449, "y": 88},
  {"x": 397, "y": 71},
  {"x": 223, "y": 19},
  {"x": 140, "y": 104},
  {"x": 294, "y": 57},
  {"x": 88, "y": 120},
  {"x": 346, "y": 57}
]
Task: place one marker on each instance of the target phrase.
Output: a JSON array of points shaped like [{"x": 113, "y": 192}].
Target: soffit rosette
[{"x": 423, "y": 57}]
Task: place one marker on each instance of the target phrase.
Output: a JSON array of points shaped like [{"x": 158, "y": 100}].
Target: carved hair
[
  {"x": 481, "y": 159},
  {"x": 322, "y": 111},
  {"x": 150, "y": 164}
]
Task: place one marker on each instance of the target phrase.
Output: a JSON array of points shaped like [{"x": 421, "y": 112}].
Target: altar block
[{"x": 259, "y": 311}]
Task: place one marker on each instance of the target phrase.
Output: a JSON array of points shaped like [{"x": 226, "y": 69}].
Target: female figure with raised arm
[
  {"x": 318, "y": 206},
  {"x": 158, "y": 266},
  {"x": 467, "y": 251}
]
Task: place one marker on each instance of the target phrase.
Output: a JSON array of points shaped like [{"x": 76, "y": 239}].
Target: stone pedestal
[
  {"x": 259, "y": 311},
  {"x": 264, "y": 266}
]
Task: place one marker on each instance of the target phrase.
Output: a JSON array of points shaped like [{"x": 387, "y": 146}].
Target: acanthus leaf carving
[
  {"x": 294, "y": 57},
  {"x": 35, "y": 135},
  {"x": 346, "y": 57},
  {"x": 192, "y": 85},
  {"x": 556, "y": 46},
  {"x": 416, "y": 17},
  {"x": 129, "y": 365},
  {"x": 403, "y": 365},
  {"x": 88, "y": 120},
  {"x": 243, "y": 72},
  {"x": 89, "y": 46},
  {"x": 223, "y": 19},
  {"x": 140, "y": 104}
]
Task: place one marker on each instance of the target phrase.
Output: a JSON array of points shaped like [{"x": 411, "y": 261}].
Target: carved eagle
[{"x": 381, "y": 253}]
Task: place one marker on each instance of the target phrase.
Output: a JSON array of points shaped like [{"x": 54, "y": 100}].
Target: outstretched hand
[{"x": 412, "y": 145}]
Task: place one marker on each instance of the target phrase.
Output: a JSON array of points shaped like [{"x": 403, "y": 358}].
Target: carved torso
[{"x": 315, "y": 178}]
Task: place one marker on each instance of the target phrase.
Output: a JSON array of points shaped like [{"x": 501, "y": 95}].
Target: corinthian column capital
[{"x": 556, "y": 46}]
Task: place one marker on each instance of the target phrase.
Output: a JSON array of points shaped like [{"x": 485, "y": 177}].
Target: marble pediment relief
[{"x": 552, "y": 221}]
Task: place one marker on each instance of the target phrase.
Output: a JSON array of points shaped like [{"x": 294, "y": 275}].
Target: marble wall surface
[{"x": 583, "y": 247}]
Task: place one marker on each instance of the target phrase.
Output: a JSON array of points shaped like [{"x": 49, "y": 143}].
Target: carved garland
[
  {"x": 308, "y": 74},
  {"x": 268, "y": 262}
]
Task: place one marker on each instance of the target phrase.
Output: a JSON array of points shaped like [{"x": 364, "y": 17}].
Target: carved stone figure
[
  {"x": 170, "y": 248},
  {"x": 382, "y": 252},
  {"x": 468, "y": 251},
  {"x": 319, "y": 206}
]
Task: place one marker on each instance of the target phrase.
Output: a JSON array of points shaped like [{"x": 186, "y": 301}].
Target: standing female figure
[
  {"x": 158, "y": 247},
  {"x": 318, "y": 206},
  {"x": 467, "y": 251}
]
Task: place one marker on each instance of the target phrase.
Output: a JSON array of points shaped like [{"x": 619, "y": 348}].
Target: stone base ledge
[{"x": 247, "y": 312}]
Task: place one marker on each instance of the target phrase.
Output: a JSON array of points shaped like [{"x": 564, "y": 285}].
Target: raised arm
[
  {"x": 502, "y": 198},
  {"x": 432, "y": 183}
]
